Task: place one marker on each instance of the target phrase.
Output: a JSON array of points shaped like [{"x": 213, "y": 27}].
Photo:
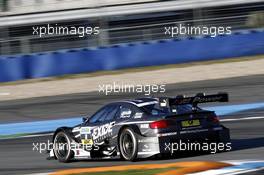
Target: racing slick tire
[
  {"x": 128, "y": 144},
  {"x": 62, "y": 149}
]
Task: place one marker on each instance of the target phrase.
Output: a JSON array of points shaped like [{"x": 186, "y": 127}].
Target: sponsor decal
[
  {"x": 138, "y": 115},
  {"x": 80, "y": 153},
  {"x": 167, "y": 134},
  {"x": 102, "y": 131},
  {"x": 149, "y": 140},
  {"x": 146, "y": 148},
  {"x": 125, "y": 114},
  {"x": 193, "y": 131},
  {"x": 86, "y": 130},
  {"x": 207, "y": 99},
  {"x": 144, "y": 126},
  {"x": 87, "y": 141},
  {"x": 163, "y": 103},
  {"x": 174, "y": 110},
  {"x": 142, "y": 141}
]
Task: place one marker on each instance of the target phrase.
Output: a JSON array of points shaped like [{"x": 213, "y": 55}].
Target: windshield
[{"x": 156, "y": 109}]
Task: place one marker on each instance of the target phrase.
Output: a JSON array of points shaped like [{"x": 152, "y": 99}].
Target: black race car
[{"x": 141, "y": 128}]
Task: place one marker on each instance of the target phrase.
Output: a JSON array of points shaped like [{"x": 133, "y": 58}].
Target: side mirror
[{"x": 84, "y": 119}]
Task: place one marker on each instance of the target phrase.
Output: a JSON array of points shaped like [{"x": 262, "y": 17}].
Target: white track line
[
  {"x": 231, "y": 170},
  {"x": 29, "y": 136},
  {"x": 37, "y": 135},
  {"x": 240, "y": 119},
  {"x": 222, "y": 120},
  {"x": 4, "y": 93},
  {"x": 245, "y": 171}
]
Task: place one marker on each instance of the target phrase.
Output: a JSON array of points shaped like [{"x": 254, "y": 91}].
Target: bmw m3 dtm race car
[{"x": 140, "y": 128}]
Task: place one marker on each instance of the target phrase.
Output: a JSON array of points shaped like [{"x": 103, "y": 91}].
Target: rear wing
[{"x": 193, "y": 100}]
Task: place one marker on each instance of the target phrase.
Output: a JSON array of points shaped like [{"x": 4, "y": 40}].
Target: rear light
[
  {"x": 159, "y": 124},
  {"x": 214, "y": 119}
]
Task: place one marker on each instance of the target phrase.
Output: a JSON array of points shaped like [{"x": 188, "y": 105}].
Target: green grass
[{"x": 131, "y": 172}]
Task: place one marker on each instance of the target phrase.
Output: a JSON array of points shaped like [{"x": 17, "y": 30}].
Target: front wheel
[
  {"x": 62, "y": 149},
  {"x": 128, "y": 144}
]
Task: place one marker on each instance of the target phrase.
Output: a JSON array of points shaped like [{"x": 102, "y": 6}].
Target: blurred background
[
  {"x": 120, "y": 21},
  {"x": 131, "y": 35}
]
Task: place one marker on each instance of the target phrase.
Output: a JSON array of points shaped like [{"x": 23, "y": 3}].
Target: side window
[
  {"x": 96, "y": 117},
  {"x": 110, "y": 114},
  {"x": 106, "y": 114}
]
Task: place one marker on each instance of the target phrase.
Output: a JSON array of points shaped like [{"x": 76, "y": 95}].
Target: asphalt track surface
[{"x": 17, "y": 156}]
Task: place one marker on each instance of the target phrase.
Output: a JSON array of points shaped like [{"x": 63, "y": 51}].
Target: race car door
[{"x": 101, "y": 123}]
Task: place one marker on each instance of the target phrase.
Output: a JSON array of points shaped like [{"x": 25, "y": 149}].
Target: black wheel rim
[
  {"x": 62, "y": 146},
  {"x": 127, "y": 144}
]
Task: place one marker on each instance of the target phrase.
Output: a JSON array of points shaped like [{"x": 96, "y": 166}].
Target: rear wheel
[
  {"x": 62, "y": 149},
  {"x": 128, "y": 144}
]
